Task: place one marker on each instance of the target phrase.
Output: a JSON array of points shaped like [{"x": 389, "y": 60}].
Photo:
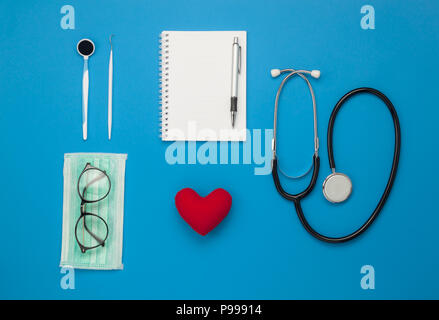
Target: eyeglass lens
[{"x": 93, "y": 185}]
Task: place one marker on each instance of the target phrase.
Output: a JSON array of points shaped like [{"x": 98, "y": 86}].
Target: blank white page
[{"x": 196, "y": 68}]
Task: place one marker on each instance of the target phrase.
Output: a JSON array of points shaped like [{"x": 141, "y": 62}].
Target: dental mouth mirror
[
  {"x": 85, "y": 48},
  {"x": 337, "y": 187}
]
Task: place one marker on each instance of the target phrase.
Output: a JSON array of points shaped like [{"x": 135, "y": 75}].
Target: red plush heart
[{"x": 203, "y": 214}]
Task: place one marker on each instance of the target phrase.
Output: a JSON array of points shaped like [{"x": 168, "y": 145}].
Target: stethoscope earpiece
[
  {"x": 337, "y": 187},
  {"x": 277, "y": 72}
]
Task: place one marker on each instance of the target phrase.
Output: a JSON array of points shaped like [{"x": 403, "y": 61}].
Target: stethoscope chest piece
[{"x": 337, "y": 187}]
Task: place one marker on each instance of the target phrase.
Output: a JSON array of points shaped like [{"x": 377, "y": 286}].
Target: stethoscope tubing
[
  {"x": 393, "y": 171},
  {"x": 296, "y": 197}
]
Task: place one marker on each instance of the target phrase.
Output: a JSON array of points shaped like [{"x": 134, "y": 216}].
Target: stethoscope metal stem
[{"x": 300, "y": 73}]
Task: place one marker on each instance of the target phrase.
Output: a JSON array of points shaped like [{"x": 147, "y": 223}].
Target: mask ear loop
[{"x": 300, "y": 73}]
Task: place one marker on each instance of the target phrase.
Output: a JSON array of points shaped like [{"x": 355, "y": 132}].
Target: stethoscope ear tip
[
  {"x": 275, "y": 72},
  {"x": 315, "y": 74}
]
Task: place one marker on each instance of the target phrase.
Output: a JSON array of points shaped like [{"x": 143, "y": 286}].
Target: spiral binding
[{"x": 164, "y": 84}]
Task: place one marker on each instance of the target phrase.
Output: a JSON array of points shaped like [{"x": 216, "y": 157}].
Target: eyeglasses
[{"x": 91, "y": 231}]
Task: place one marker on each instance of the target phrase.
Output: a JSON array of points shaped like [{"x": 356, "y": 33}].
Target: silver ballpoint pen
[{"x": 236, "y": 69}]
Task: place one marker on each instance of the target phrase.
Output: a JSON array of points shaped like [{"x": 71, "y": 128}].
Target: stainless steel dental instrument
[{"x": 85, "y": 48}]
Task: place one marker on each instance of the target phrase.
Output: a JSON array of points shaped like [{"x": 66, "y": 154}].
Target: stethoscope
[{"x": 337, "y": 187}]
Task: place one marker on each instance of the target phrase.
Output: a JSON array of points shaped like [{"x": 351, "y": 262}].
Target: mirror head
[{"x": 85, "y": 47}]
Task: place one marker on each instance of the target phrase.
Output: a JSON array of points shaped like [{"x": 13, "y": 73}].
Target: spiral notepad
[{"x": 195, "y": 89}]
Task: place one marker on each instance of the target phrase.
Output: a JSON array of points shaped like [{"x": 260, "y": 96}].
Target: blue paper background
[{"x": 260, "y": 251}]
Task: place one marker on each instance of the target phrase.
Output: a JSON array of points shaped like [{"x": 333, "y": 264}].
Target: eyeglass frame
[{"x": 84, "y": 213}]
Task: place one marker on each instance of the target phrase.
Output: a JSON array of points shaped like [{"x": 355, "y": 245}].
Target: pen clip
[{"x": 239, "y": 58}]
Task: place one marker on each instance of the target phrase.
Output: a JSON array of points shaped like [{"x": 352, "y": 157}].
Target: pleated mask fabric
[{"x": 110, "y": 209}]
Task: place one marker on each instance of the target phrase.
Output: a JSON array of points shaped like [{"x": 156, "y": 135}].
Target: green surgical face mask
[{"x": 92, "y": 234}]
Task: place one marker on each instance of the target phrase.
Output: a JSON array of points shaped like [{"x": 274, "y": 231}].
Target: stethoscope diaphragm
[{"x": 337, "y": 187}]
